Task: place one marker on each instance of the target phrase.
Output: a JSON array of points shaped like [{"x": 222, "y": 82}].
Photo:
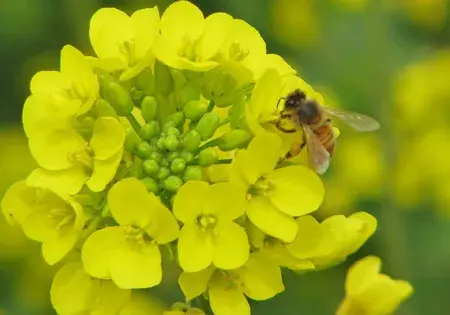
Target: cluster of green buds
[{"x": 161, "y": 150}]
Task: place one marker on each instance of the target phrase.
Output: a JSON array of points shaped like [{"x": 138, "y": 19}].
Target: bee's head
[
  {"x": 309, "y": 112},
  {"x": 294, "y": 100}
]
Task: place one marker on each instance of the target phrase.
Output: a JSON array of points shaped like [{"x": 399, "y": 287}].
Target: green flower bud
[
  {"x": 160, "y": 143},
  {"x": 85, "y": 127},
  {"x": 178, "y": 165},
  {"x": 103, "y": 109},
  {"x": 119, "y": 98},
  {"x": 172, "y": 183},
  {"x": 145, "y": 81},
  {"x": 136, "y": 95},
  {"x": 171, "y": 143},
  {"x": 149, "y": 108},
  {"x": 187, "y": 156},
  {"x": 235, "y": 139},
  {"x": 167, "y": 126},
  {"x": 207, "y": 157},
  {"x": 173, "y": 155},
  {"x": 192, "y": 140},
  {"x": 173, "y": 131},
  {"x": 156, "y": 157},
  {"x": 144, "y": 149},
  {"x": 193, "y": 173},
  {"x": 177, "y": 118},
  {"x": 163, "y": 173},
  {"x": 132, "y": 140},
  {"x": 149, "y": 130},
  {"x": 189, "y": 92},
  {"x": 150, "y": 184},
  {"x": 163, "y": 78},
  {"x": 150, "y": 167},
  {"x": 208, "y": 125},
  {"x": 165, "y": 162},
  {"x": 178, "y": 78},
  {"x": 194, "y": 110}
]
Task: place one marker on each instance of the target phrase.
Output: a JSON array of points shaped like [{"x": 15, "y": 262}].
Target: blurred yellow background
[{"x": 389, "y": 59}]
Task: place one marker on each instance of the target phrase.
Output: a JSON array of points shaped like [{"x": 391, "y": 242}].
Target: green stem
[
  {"x": 211, "y": 105},
  {"x": 134, "y": 123},
  {"x": 93, "y": 225},
  {"x": 211, "y": 143},
  {"x": 224, "y": 161}
]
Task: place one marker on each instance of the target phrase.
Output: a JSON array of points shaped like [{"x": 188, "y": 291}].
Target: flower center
[
  {"x": 237, "y": 52},
  {"x": 262, "y": 187},
  {"x": 83, "y": 157},
  {"x": 135, "y": 236},
  {"x": 188, "y": 48},
  {"x": 128, "y": 50},
  {"x": 63, "y": 218},
  {"x": 206, "y": 222}
]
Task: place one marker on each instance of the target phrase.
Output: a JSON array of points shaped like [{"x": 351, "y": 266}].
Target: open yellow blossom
[
  {"x": 259, "y": 279},
  {"x": 188, "y": 41},
  {"x": 129, "y": 254},
  {"x": 76, "y": 82},
  {"x": 209, "y": 234},
  {"x": 45, "y": 217},
  {"x": 276, "y": 196},
  {"x": 368, "y": 292},
  {"x": 124, "y": 42},
  {"x": 68, "y": 161}
]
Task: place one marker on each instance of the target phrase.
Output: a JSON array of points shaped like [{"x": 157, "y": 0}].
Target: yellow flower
[
  {"x": 68, "y": 162},
  {"x": 368, "y": 292},
  {"x": 342, "y": 237},
  {"x": 259, "y": 279},
  {"x": 124, "y": 42},
  {"x": 45, "y": 217},
  {"x": 129, "y": 254},
  {"x": 188, "y": 41},
  {"x": 209, "y": 234},
  {"x": 76, "y": 82},
  {"x": 275, "y": 196},
  {"x": 183, "y": 309},
  {"x": 74, "y": 292}
]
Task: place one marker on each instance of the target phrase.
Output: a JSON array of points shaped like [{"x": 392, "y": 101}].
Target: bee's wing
[
  {"x": 357, "y": 121},
  {"x": 318, "y": 156}
]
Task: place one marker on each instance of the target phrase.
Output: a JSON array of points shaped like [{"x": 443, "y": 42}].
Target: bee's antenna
[{"x": 279, "y": 100}]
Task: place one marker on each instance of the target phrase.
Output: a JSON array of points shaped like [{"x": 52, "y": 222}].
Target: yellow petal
[
  {"x": 226, "y": 301},
  {"x": 146, "y": 26},
  {"x": 270, "y": 220},
  {"x": 110, "y": 299},
  {"x": 164, "y": 227},
  {"x": 109, "y": 29},
  {"x": 17, "y": 203},
  {"x": 53, "y": 150},
  {"x": 225, "y": 201},
  {"x": 194, "y": 248},
  {"x": 194, "y": 284},
  {"x": 39, "y": 225},
  {"x": 108, "y": 137},
  {"x": 189, "y": 200},
  {"x": 142, "y": 304},
  {"x": 48, "y": 83},
  {"x": 104, "y": 172},
  {"x": 55, "y": 249},
  {"x": 129, "y": 202},
  {"x": 72, "y": 289},
  {"x": 362, "y": 273},
  {"x": 231, "y": 248},
  {"x": 275, "y": 62},
  {"x": 65, "y": 182},
  {"x": 261, "y": 278},
  {"x": 182, "y": 19},
  {"x": 298, "y": 190},
  {"x": 215, "y": 29},
  {"x": 136, "y": 267},
  {"x": 261, "y": 156},
  {"x": 98, "y": 250},
  {"x": 309, "y": 238}
]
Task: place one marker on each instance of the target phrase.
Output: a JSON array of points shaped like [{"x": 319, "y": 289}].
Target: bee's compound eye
[
  {"x": 309, "y": 111},
  {"x": 294, "y": 99}
]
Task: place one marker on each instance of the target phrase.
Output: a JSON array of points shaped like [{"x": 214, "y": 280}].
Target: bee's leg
[
  {"x": 279, "y": 100},
  {"x": 284, "y": 129}
]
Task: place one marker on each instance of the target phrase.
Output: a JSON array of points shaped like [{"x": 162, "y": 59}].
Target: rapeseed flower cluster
[{"x": 162, "y": 148}]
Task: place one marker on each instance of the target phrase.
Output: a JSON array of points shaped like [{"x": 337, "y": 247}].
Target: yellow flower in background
[
  {"x": 209, "y": 234},
  {"x": 129, "y": 254},
  {"x": 45, "y": 217},
  {"x": 369, "y": 292},
  {"x": 188, "y": 40},
  {"x": 430, "y": 14},
  {"x": 124, "y": 42},
  {"x": 259, "y": 279},
  {"x": 275, "y": 196}
]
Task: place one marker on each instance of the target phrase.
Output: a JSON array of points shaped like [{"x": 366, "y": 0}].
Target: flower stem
[{"x": 134, "y": 123}]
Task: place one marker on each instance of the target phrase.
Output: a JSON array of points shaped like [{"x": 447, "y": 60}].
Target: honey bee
[{"x": 315, "y": 121}]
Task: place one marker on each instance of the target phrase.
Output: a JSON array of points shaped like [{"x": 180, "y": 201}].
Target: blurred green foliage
[{"x": 389, "y": 59}]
